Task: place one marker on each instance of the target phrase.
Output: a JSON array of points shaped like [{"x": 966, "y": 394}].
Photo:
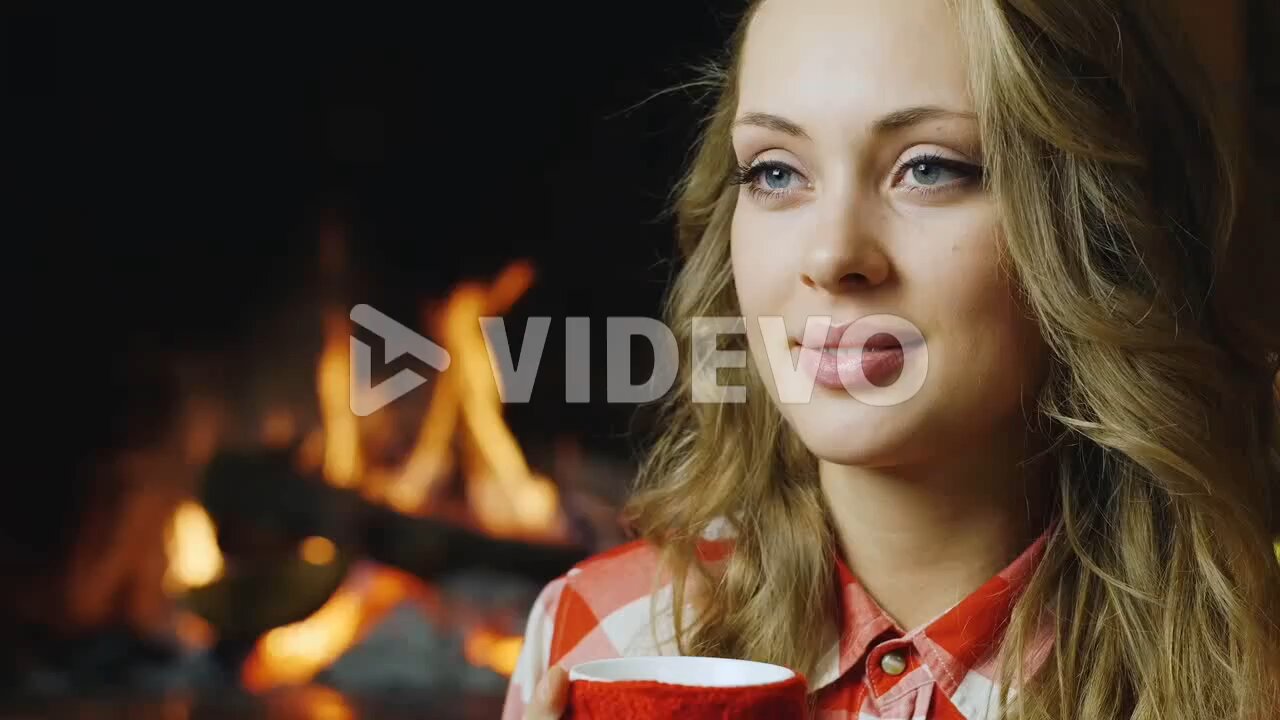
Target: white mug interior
[{"x": 680, "y": 670}]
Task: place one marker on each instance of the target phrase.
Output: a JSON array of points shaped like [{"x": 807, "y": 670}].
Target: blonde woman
[{"x": 1069, "y": 511}]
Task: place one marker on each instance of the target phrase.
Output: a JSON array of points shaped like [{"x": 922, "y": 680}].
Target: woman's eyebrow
[
  {"x": 906, "y": 117},
  {"x": 887, "y": 123},
  {"x": 769, "y": 121}
]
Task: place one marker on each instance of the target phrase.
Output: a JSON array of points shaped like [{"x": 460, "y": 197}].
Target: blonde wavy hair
[{"x": 1119, "y": 164}]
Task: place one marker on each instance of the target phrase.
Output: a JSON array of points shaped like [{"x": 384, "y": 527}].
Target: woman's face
[{"x": 861, "y": 200}]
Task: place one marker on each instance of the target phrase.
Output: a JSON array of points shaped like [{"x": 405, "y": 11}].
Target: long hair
[{"x": 1122, "y": 180}]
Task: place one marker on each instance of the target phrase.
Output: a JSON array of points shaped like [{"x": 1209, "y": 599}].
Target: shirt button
[{"x": 894, "y": 662}]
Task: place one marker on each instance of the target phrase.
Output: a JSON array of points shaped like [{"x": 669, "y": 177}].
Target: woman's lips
[{"x": 881, "y": 359}]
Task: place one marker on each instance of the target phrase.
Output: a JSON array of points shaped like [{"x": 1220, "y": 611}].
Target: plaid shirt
[{"x": 874, "y": 669}]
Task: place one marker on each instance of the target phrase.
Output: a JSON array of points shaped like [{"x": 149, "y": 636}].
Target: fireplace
[
  {"x": 237, "y": 186},
  {"x": 390, "y": 558}
]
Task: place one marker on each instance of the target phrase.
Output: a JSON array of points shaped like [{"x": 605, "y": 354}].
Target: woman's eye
[
  {"x": 769, "y": 178},
  {"x": 776, "y": 177},
  {"x": 933, "y": 172},
  {"x": 929, "y": 174}
]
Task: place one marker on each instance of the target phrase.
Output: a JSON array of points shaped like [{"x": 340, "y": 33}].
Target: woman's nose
[{"x": 845, "y": 255}]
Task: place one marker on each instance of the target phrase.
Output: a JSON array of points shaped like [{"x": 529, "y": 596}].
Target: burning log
[
  {"x": 268, "y": 514},
  {"x": 429, "y": 548},
  {"x": 463, "y": 498},
  {"x": 263, "y": 506}
]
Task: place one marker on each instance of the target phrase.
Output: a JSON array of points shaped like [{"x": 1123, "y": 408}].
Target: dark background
[
  {"x": 182, "y": 165},
  {"x": 177, "y": 177}
]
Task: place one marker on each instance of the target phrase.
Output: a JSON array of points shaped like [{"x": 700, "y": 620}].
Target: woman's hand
[{"x": 550, "y": 696}]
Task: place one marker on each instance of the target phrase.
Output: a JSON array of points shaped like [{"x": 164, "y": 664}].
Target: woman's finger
[{"x": 550, "y": 696}]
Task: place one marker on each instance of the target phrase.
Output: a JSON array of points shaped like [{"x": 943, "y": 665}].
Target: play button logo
[{"x": 367, "y": 398}]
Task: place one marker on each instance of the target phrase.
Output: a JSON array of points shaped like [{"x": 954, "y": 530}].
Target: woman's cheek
[
  {"x": 755, "y": 267},
  {"x": 980, "y": 312}
]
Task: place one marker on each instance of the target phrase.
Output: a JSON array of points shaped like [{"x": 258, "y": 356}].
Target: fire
[
  {"x": 317, "y": 550},
  {"x": 504, "y": 495},
  {"x": 313, "y": 703},
  {"x": 341, "y": 431},
  {"x": 484, "y": 648},
  {"x": 193, "y": 561},
  {"x": 192, "y": 549},
  {"x": 293, "y": 654},
  {"x": 461, "y": 434}
]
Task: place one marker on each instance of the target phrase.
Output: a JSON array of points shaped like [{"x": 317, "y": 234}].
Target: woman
[{"x": 1069, "y": 510}]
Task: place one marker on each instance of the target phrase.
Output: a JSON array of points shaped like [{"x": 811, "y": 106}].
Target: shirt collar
[{"x": 966, "y": 632}]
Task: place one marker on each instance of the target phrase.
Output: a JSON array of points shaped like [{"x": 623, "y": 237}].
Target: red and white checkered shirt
[{"x": 874, "y": 669}]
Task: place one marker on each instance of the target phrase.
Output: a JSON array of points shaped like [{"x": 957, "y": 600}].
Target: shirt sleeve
[{"x": 535, "y": 651}]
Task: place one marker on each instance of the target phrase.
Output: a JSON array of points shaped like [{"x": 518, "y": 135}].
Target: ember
[{"x": 194, "y": 557}]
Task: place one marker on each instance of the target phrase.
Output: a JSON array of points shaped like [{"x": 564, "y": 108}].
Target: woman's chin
[{"x": 867, "y": 436}]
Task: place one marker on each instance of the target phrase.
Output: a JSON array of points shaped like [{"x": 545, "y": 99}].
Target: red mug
[{"x": 648, "y": 688}]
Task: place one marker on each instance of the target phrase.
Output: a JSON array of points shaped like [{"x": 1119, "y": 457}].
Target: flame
[
  {"x": 430, "y": 460},
  {"x": 500, "y": 653},
  {"x": 192, "y": 549},
  {"x": 314, "y": 702},
  {"x": 327, "y": 704},
  {"x": 463, "y": 431},
  {"x": 503, "y": 493},
  {"x": 342, "y": 457},
  {"x": 293, "y": 654},
  {"x": 505, "y": 496}
]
